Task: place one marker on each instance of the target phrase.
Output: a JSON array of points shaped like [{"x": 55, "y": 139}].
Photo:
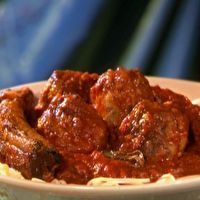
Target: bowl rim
[{"x": 189, "y": 183}]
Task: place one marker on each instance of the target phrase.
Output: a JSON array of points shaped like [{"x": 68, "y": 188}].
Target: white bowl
[{"x": 183, "y": 188}]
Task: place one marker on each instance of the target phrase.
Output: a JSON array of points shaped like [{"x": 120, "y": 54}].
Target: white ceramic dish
[{"x": 184, "y": 188}]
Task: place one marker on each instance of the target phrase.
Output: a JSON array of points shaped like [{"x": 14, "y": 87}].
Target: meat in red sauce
[
  {"x": 114, "y": 125},
  {"x": 73, "y": 126},
  {"x": 183, "y": 104},
  {"x": 66, "y": 82},
  {"x": 158, "y": 130},
  {"x": 117, "y": 92}
]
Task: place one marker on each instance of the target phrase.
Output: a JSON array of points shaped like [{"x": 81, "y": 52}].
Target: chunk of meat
[
  {"x": 194, "y": 115},
  {"x": 183, "y": 104},
  {"x": 21, "y": 147},
  {"x": 117, "y": 92},
  {"x": 159, "y": 131},
  {"x": 71, "y": 125},
  {"x": 66, "y": 82},
  {"x": 166, "y": 95},
  {"x": 24, "y": 96}
]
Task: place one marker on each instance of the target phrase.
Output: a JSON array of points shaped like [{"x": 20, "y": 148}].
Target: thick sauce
[
  {"x": 150, "y": 120},
  {"x": 113, "y": 125},
  {"x": 81, "y": 168}
]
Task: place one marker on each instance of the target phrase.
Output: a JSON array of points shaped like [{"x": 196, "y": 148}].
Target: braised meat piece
[
  {"x": 66, "y": 82},
  {"x": 26, "y": 99},
  {"x": 166, "y": 95},
  {"x": 117, "y": 92},
  {"x": 24, "y": 95},
  {"x": 183, "y": 104},
  {"x": 71, "y": 125},
  {"x": 159, "y": 131},
  {"x": 21, "y": 147},
  {"x": 194, "y": 115}
]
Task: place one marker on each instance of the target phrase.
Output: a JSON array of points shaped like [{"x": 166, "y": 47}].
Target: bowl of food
[{"x": 117, "y": 135}]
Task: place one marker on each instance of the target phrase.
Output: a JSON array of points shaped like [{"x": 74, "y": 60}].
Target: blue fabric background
[{"x": 36, "y": 36}]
